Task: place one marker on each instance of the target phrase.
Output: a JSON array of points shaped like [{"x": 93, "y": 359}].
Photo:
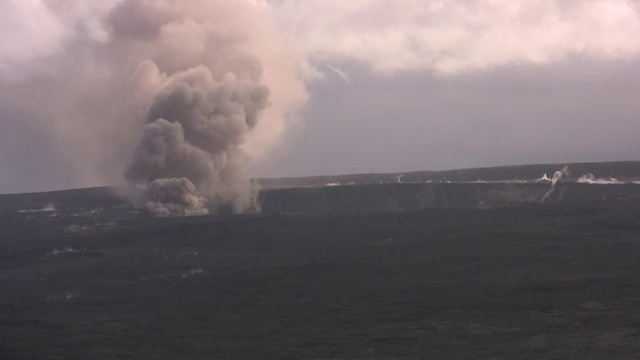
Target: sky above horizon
[{"x": 355, "y": 87}]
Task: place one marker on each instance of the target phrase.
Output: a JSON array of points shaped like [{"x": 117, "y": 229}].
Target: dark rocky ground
[{"x": 93, "y": 279}]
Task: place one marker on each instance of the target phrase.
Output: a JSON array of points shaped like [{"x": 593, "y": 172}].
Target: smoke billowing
[
  {"x": 189, "y": 157},
  {"x": 174, "y": 98},
  {"x": 207, "y": 96},
  {"x": 177, "y": 96}
]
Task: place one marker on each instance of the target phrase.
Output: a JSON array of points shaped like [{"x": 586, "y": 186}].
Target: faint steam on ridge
[{"x": 556, "y": 177}]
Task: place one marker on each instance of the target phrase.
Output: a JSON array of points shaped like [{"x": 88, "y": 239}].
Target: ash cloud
[
  {"x": 190, "y": 160},
  {"x": 86, "y": 88},
  {"x": 189, "y": 157},
  {"x": 172, "y": 99},
  {"x": 174, "y": 197}
]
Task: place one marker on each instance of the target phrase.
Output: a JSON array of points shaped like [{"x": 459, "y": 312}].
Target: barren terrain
[{"x": 90, "y": 278}]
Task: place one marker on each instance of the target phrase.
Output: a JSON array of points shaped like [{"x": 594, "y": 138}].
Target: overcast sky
[
  {"x": 415, "y": 85},
  {"x": 390, "y": 86},
  {"x": 520, "y": 114}
]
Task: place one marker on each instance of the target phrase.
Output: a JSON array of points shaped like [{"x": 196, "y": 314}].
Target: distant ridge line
[{"x": 615, "y": 169}]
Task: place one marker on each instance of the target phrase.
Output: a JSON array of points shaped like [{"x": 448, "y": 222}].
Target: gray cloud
[
  {"x": 174, "y": 197},
  {"x": 194, "y": 132},
  {"x": 177, "y": 95},
  {"x": 200, "y": 114}
]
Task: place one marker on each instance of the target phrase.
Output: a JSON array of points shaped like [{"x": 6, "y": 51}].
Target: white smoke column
[{"x": 556, "y": 176}]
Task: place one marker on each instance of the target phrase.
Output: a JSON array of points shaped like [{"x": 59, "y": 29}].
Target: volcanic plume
[
  {"x": 179, "y": 96},
  {"x": 189, "y": 157},
  {"x": 207, "y": 95}
]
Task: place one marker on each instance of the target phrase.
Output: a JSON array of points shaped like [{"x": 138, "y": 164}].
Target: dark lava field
[{"x": 474, "y": 264}]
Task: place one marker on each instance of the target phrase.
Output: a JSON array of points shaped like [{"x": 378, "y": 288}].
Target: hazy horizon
[{"x": 358, "y": 87}]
